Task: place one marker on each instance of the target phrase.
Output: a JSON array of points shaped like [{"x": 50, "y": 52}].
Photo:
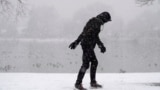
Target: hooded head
[{"x": 104, "y": 16}]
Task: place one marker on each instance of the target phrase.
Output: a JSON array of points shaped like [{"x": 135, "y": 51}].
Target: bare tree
[
  {"x": 145, "y": 2},
  {"x": 13, "y": 8}
]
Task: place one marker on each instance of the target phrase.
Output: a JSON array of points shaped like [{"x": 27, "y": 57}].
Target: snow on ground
[{"x": 65, "y": 81}]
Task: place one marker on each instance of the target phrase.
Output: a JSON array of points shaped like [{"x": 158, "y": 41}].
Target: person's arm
[
  {"x": 100, "y": 45},
  {"x": 74, "y": 44},
  {"x": 80, "y": 37}
]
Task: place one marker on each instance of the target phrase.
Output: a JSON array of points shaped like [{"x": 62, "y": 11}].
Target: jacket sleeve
[
  {"x": 80, "y": 37},
  {"x": 99, "y": 42}
]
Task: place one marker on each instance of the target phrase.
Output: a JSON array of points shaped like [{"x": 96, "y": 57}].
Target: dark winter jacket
[{"x": 90, "y": 35}]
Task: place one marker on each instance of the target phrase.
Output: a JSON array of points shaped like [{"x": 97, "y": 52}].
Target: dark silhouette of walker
[{"x": 88, "y": 40}]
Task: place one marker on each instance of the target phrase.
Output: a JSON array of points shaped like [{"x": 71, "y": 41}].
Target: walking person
[{"x": 88, "y": 40}]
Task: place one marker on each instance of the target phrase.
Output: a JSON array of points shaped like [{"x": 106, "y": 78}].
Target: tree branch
[
  {"x": 145, "y": 2},
  {"x": 13, "y": 8},
  {"x": 20, "y": 1}
]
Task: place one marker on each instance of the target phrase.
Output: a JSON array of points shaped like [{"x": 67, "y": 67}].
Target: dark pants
[{"x": 87, "y": 58}]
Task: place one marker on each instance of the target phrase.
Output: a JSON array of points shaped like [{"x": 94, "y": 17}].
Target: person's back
[{"x": 90, "y": 32}]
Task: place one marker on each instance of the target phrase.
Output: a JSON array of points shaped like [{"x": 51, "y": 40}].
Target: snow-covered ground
[{"x": 65, "y": 81}]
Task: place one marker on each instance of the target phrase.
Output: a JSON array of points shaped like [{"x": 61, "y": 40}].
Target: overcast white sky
[{"x": 127, "y": 9}]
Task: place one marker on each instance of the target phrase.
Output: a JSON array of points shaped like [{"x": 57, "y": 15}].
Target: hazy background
[{"x": 39, "y": 41}]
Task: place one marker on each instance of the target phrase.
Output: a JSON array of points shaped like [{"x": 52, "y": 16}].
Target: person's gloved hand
[
  {"x": 103, "y": 49},
  {"x": 73, "y": 45}
]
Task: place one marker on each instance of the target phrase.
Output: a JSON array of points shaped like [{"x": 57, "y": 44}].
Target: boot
[
  {"x": 79, "y": 87},
  {"x": 95, "y": 85}
]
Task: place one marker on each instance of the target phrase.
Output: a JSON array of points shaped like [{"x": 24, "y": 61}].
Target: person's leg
[
  {"x": 84, "y": 67},
  {"x": 94, "y": 64}
]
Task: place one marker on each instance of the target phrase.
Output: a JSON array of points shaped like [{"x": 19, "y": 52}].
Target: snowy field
[{"x": 65, "y": 81}]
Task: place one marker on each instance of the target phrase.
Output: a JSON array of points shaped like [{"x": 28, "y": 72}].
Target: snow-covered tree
[
  {"x": 13, "y": 8},
  {"x": 145, "y": 2}
]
